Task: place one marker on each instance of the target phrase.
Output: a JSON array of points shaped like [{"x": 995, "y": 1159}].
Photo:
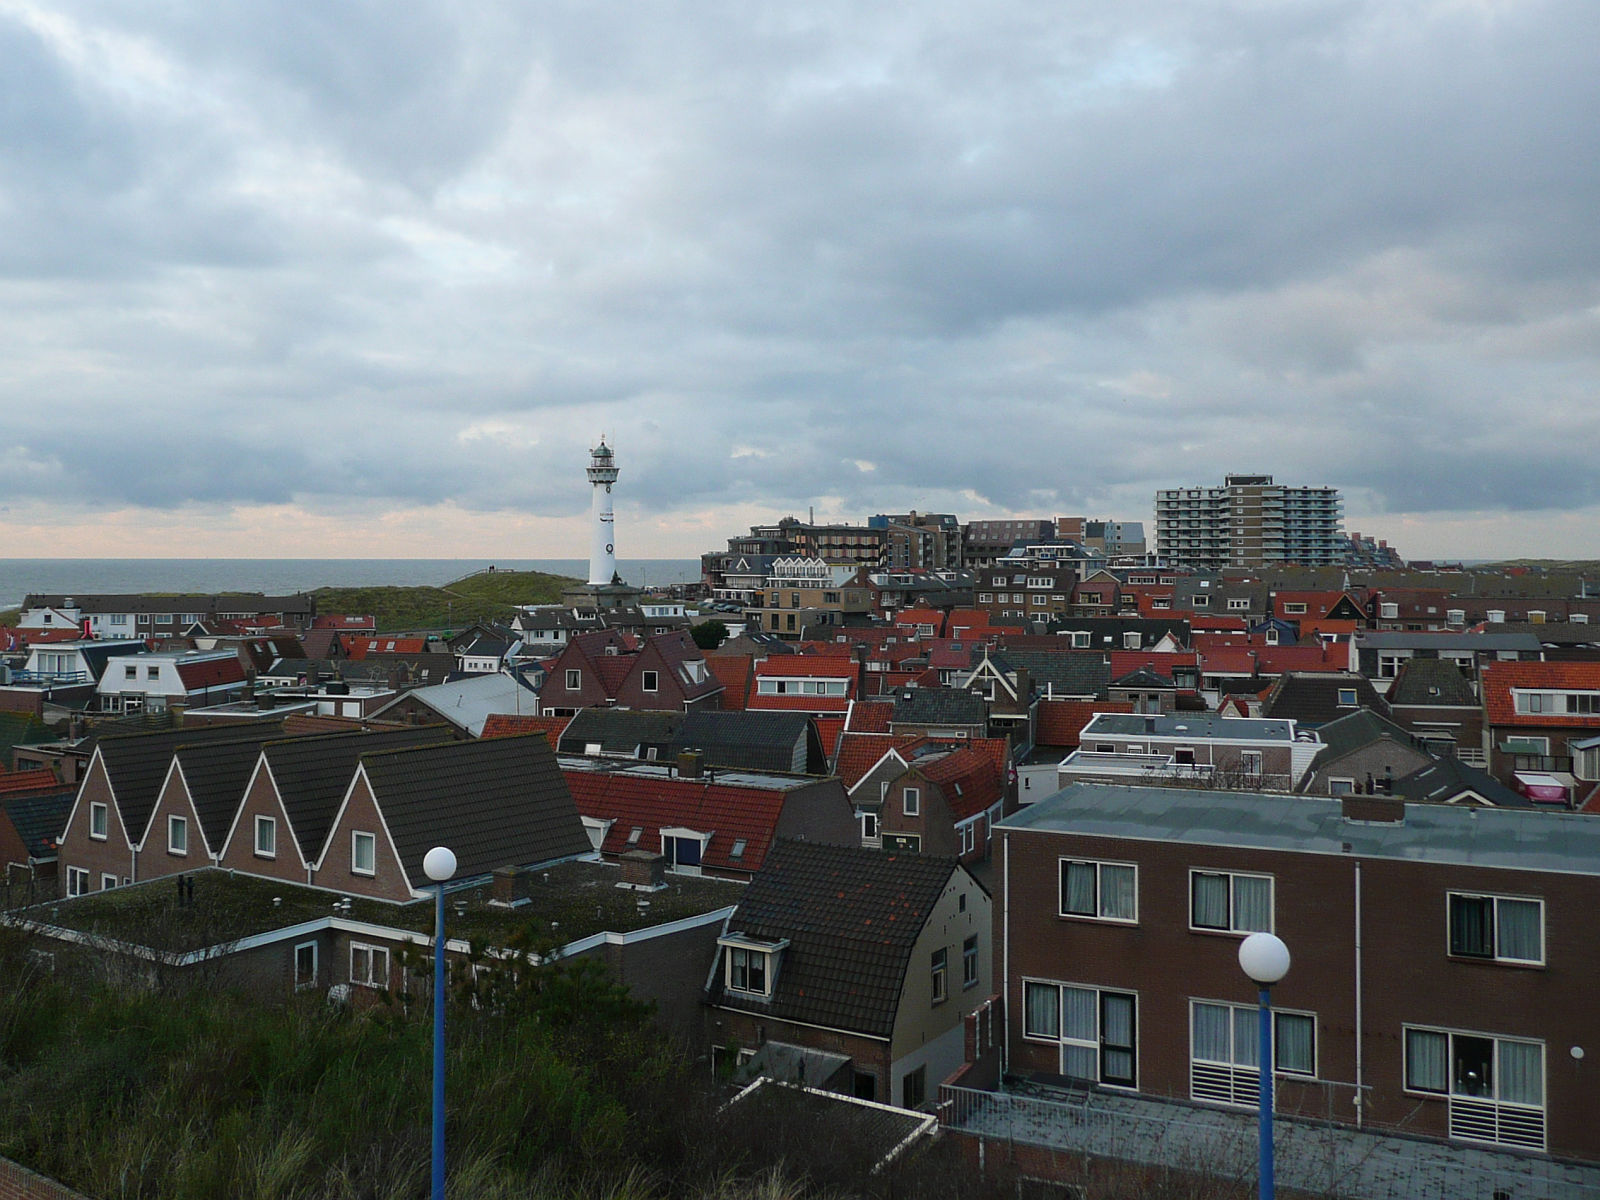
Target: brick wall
[{"x": 19, "y": 1183}]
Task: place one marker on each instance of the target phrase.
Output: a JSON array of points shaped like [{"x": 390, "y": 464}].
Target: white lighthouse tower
[{"x": 602, "y": 533}]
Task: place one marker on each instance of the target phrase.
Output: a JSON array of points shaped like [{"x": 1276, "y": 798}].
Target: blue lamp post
[
  {"x": 1265, "y": 959},
  {"x": 439, "y": 864}
]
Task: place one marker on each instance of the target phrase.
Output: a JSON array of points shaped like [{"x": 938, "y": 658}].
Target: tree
[{"x": 708, "y": 635}]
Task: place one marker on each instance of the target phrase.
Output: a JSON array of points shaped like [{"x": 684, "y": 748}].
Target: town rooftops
[
  {"x": 1432, "y": 833},
  {"x": 1190, "y": 725}
]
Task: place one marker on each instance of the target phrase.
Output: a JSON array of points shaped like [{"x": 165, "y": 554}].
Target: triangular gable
[
  {"x": 360, "y": 778},
  {"x": 281, "y": 811}
]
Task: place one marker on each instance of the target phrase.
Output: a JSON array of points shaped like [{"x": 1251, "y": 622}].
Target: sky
[{"x": 367, "y": 279}]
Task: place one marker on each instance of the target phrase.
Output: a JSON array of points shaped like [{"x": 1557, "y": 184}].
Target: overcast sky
[{"x": 335, "y": 279}]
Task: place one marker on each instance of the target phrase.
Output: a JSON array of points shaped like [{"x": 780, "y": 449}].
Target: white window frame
[
  {"x": 107, "y": 881},
  {"x": 869, "y": 826},
  {"x": 178, "y": 835},
  {"x": 574, "y": 679},
  {"x": 1097, "y": 1044},
  {"x": 1495, "y": 901},
  {"x": 1490, "y": 1119},
  {"x": 1237, "y": 1081},
  {"x": 650, "y": 681},
  {"x": 368, "y": 954},
  {"x": 99, "y": 820},
  {"x": 1251, "y": 762},
  {"x": 969, "y": 962},
  {"x": 356, "y": 836},
  {"x": 911, "y": 801},
  {"x": 939, "y": 975},
  {"x": 270, "y": 825},
  {"x": 78, "y": 881},
  {"x": 1100, "y": 913},
  {"x": 300, "y": 984},
  {"x": 1233, "y": 928}
]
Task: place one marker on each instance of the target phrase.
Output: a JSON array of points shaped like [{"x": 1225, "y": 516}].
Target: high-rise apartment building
[{"x": 1250, "y": 521}]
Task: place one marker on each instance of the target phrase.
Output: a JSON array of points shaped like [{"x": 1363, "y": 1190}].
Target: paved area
[{"x": 1312, "y": 1157}]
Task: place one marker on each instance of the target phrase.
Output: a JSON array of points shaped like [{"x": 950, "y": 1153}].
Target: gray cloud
[{"x": 1036, "y": 257}]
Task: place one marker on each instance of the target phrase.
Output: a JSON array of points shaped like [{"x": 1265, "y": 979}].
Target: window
[
  {"x": 1097, "y": 1029},
  {"x": 739, "y": 845},
  {"x": 152, "y": 673},
  {"x": 369, "y": 965},
  {"x": 747, "y": 970},
  {"x": 1199, "y": 601},
  {"x": 1130, "y": 639},
  {"x": 1102, "y": 891},
  {"x": 1347, "y": 697},
  {"x": 648, "y": 680},
  {"x": 914, "y": 1088},
  {"x": 1496, "y": 927},
  {"x": 1232, "y": 903},
  {"x": 177, "y": 835},
  {"x": 1495, "y": 1085},
  {"x": 969, "y": 962},
  {"x": 938, "y": 973},
  {"x": 1225, "y": 1045},
  {"x": 107, "y": 882},
  {"x": 1250, "y": 762},
  {"x": 305, "y": 966},
  {"x": 574, "y": 679},
  {"x": 266, "y": 837},
  {"x": 77, "y": 881},
  {"x": 130, "y": 672},
  {"x": 1341, "y": 787},
  {"x": 912, "y": 801},
  {"x": 99, "y": 820},
  {"x": 1389, "y": 611},
  {"x": 1238, "y": 603},
  {"x": 1080, "y": 640},
  {"x": 869, "y": 826},
  {"x": 1456, "y": 616},
  {"x": 1294, "y": 608},
  {"x": 363, "y": 853}
]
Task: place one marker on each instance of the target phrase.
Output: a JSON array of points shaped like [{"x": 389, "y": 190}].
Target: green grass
[
  {"x": 479, "y": 597},
  {"x": 565, "y": 903}
]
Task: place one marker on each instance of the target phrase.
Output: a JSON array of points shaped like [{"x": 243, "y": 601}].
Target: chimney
[
  {"x": 644, "y": 870},
  {"x": 1024, "y": 683},
  {"x": 1385, "y": 809},
  {"x": 689, "y": 764},
  {"x": 503, "y": 886}
]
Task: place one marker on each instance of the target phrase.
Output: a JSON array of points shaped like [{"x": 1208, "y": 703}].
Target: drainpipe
[
  {"x": 1005, "y": 935},
  {"x": 1360, "y": 1080}
]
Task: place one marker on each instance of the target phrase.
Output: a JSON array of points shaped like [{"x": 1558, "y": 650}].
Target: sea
[{"x": 282, "y": 576}]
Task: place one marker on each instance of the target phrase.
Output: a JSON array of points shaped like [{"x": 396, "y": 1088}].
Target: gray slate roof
[
  {"x": 937, "y": 706},
  {"x": 1431, "y": 681},
  {"x": 1446, "y": 778},
  {"x": 1312, "y": 697},
  {"x": 1066, "y": 672},
  {"x": 217, "y": 774},
  {"x": 620, "y": 730},
  {"x": 852, "y": 916},
  {"x": 749, "y": 741},
  {"x": 1435, "y": 833},
  {"x": 314, "y": 773},
  {"x": 496, "y": 803},
  {"x": 40, "y": 820},
  {"x": 137, "y": 763},
  {"x": 1355, "y": 730}
]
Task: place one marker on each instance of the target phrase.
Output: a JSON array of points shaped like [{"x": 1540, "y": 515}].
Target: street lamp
[
  {"x": 1265, "y": 959},
  {"x": 439, "y": 864}
]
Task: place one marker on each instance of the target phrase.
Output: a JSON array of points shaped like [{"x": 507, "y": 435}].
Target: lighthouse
[{"x": 602, "y": 533}]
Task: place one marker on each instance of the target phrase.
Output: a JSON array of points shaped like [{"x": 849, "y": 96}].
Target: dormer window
[{"x": 750, "y": 965}]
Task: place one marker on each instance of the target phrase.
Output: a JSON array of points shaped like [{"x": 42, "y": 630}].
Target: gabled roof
[
  {"x": 216, "y": 774},
  {"x": 1060, "y": 722},
  {"x": 859, "y": 752},
  {"x": 1431, "y": 682},
  {"x": 623, "y": 731},
  {"x": 751, "y": 741},
  {"x": 869, "y": 716},
  {"x": 314, "y": 773},
  {"x": 210, "y": 672},
  {"x": 1448, "y": 780},
  {"x": 1355, "y": 730},
  {"x": 735, "y": 673},
  {"x": 512, "y": 724},
  {"x": 1065, "y": 672},
  {"x": 467, "y": 703},
  {"x": 828, "y": 731},
  {"x": 39, "y": 818},
  {"x": 938, "y": 706},
  {"x": 967, "y": 777},
  {"x": 852, "y": 917},
  {"x": 1312, "y": 699},
  {"x": 808, "y": 666},
  {"x": 1499, "y": 678},
  {"x": 730, "y": 813},
  {"x": 499, "y": 802},
  {"x": 137, "y": 764}
]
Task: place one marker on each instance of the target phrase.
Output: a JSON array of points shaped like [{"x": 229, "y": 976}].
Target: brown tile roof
[
  {"x": 1500, "y": 677},
  {"x": 512, "y": 724},
  {"x": 1061, "y": 722}
]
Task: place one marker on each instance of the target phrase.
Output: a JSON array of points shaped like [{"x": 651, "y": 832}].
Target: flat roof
[
  {"x": 1521, "y": 839},
  {"x": 667, "y": 770},
  {"x": 1192, "y": 725},
  {"x": 1424, "y": 639}
]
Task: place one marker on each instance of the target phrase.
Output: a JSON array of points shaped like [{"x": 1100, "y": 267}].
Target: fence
[{"x": 1317, "y": 1158}]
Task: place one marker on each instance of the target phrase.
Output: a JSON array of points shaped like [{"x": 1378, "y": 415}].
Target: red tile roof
[
  {"x": 810, "y": 704},
  {"x": 512, "y": 724},
  {"x": 1061, "y": 722},
  {"x": 968, "y": 779},
  {"x": 807, "y": 666},
  {"x": 1126, "y": 662},
  {"x": 213, "y": 672},
  {"x": 870, "y": 716},
  {"x": 734, "y": 672},
  {"x": 730, "y": 814},
  {"x": 860, "y": 752},
  {"x": 42, "y": 779},
  {"x": 359, "y": 647},
  {"x": 1500, "y": 677}
]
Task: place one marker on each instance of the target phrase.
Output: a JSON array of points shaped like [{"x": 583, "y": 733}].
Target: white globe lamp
[
  {"x": 1264, "y": 958},
  {"x": 439, "y": 864}
]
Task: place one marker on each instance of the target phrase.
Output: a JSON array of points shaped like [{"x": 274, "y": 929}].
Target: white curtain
[
  {"x": 1211, "y": 1032},
  {"x": 1117, "y": 893},
  {"x": 1246, "y": 1036},
  {"x": 1296, "y": 1046},
  {"x": 1043, "y": 1003},
  {"x": 1427, "y": 1060},
  {"x": 1211, "y": 901},
  {"x": 1078, "y": 1017},
  {"x": 1519, "y": 935},
  {"x": 1252, "y": 904},
  {"x": 1080, "y": 889},
  {"x": 1116, "y": 1038},
  {"x": 1522, "y": 1072}
]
